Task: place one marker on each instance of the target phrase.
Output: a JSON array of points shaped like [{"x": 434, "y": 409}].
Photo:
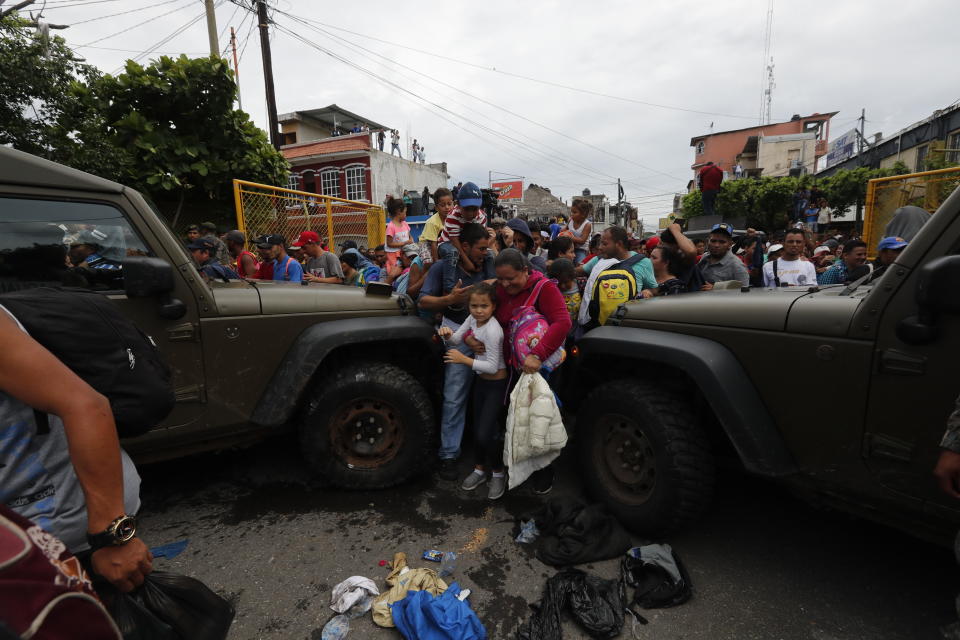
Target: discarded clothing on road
[
  {"x": 595, "y": 604},
  {"x": 401, "y": 580},
  {"x": 535, "y": 434},
  {"x": 423, "y": 616},
  {"x": 572, "y": 533},
  {"x": 658, "y": 576},
  {"x": 354, "y": 596}
]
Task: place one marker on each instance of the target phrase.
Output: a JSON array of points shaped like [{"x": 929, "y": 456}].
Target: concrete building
[
  {"x": 723, "y": 148},
  {"x": 790, "y": 154},
  {"x": 937, "y": 136},
  {"x": 601, "y": 209},
  {"x": 349, "y": 166},
  {"x": 539, "y": 204}
]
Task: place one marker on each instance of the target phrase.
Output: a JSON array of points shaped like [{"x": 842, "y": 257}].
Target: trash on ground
[
  {"x": 424, "y": 616},
  {"x": 595, "y": 604},
  {"x": 448, "y": 564},
  {"x": 572, "y": 533},
  {"x": 171, "y": 549},
  {"x": 433, "y": 555},
  {"x": 657, "y": 575},
  {"x": 528, "y": 531},
  {"x": 402, "y": 580},
  {"x": 354, "y": 596},
  {"x": 336, "y": 628}
]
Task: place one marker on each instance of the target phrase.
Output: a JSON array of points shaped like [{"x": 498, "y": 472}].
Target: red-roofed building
[{"x": 326, "y": 158}]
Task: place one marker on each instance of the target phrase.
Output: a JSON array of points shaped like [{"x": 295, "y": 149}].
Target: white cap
[
  {"x": 821, "y": 249},
  {"x": 774, "y": 247}
]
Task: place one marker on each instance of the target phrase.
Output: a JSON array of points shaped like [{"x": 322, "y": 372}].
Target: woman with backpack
[{"x": 533, "y": 314}]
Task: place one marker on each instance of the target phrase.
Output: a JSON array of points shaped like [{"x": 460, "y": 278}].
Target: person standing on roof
[
  {"x": 395, "y": 142},
  {"x": 380, "y": 139},
  {"x": 710, "y": 178}
]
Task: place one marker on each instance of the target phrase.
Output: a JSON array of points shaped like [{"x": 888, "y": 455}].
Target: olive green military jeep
[
  {"x": 352, "y": 370},
  {"x": 841, "y": 392}
]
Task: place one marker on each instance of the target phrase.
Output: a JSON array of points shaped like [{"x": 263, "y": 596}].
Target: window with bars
[
  {"x": 922, "y": 157},
  {"x": 356, "y": 185},
  {"x": 954, "y": 143},
  {"x": 330, "y": 182}
]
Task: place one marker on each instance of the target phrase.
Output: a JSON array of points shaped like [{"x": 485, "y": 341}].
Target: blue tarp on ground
[{"x": 423, "y": 616}]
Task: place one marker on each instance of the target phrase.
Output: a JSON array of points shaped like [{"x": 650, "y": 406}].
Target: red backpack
[{"x": 44, "y": 592}]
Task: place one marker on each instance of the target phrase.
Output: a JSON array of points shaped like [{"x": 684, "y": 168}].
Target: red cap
[
  {"x": 652, "y": 241},
  {"x": 308, "y": 237}
]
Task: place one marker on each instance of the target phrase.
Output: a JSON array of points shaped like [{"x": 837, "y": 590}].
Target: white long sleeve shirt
[{"x": 491, "y": 335}]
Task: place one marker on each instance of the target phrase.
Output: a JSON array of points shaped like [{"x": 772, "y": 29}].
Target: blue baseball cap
[
  {"x": 722, "y": 227},
  {"x": 891, "y": 242},
  {"x": 470, "y": 195}
]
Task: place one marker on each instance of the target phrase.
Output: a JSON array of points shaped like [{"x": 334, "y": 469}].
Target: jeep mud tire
[
  {"x": 368, "y": 425},
  {"x": 644, "y": 455}
]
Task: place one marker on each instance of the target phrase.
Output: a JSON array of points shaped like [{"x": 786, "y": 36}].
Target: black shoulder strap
[
  {"x": 629, "y": 262},
  {"x": 776, "y": 278}
]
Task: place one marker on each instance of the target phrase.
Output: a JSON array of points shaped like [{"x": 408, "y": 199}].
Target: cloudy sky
[{"x": 566, "y": 94}]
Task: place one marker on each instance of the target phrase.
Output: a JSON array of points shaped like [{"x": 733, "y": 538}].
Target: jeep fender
[
  {"x": 719, "y": 376},
  {"x": 282, "y": 394}
]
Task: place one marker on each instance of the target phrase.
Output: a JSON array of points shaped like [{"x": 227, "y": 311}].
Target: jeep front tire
[
  {"x": 644, "y": 455},
  {"x": 368, "y": 425}
]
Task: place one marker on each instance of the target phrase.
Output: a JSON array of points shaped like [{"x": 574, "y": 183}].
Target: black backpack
[{"x": 94, "y": 340}]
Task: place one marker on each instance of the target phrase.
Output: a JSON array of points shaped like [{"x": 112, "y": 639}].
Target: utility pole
[
  {"x": 212, "y": 28},
  {"x": 268, "y": 73},
  {"x": 860, "y": 146},
  {"x": 236, "y": 66}
]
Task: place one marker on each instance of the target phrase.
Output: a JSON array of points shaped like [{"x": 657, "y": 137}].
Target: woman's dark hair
[
  {"x": 561, "y": 245},
  {"x": 395, "y": 205},
  {"x": 561, "y": 269},
  {"x": 594, "y": 243},
  {"x": 350, "y": 259},
  {"x": 671, "y": 257},
  {"x": 471, "y": 233},
  {"x": 512, "y": 258},
  {"x": 484, "y": 289},
  {"x": 582, "y": 205}
]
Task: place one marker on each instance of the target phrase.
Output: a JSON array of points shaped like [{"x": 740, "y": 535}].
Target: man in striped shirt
[{"x": 451, "y": 252}]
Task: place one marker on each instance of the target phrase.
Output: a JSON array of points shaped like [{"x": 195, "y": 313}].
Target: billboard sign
[
  {"x": 511, "y": 190},
  {"x": 842, "y": 148}
]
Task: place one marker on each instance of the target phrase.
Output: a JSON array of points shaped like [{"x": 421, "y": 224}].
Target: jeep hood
[
  {"x": 271, "y": 298},
  {"x": 796, "y": 310}
]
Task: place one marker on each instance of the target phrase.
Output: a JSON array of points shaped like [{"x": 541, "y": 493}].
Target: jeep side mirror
[
  {"x": 145, "y": 277},
  {"x": 938, "y": 291}
]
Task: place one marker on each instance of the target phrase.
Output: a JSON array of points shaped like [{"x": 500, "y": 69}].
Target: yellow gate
[
  {"x": 263, "y": 209},
  {"x": 927, "y": 190}
]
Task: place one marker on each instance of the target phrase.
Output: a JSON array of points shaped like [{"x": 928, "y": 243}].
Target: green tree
[
  {"x": 46, "y": 107},
  {"x": 186, "y": 141},
  {"x": 692, "y": 204}
]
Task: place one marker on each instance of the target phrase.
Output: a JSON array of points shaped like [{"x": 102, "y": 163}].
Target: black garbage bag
[
  {"x": 573, "y": 533},
  {"x": 659, "y": 578},
  {"x": 597, "y": 605},
  {"x": 168, "y": 606}
]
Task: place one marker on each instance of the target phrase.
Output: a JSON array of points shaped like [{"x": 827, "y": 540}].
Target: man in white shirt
[{"x": 790, "y": 269}]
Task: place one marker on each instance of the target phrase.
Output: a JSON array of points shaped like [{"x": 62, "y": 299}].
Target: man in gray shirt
[
  {"x": 720, "y": 264},
  {"x": 321, "y": 266}
]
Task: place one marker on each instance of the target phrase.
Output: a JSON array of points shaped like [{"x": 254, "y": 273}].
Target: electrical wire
[
  {"x": 170, "y": 37},
  {"x": 65, "y": 4},
  {"x": 246, "y": 40},
  {"x": 140, "y": 24},
  {"x": 529, "y": 78},
  {"x": 122, "y": 13},
  {"x": 516, "y": 115},
  {"x": 189, "y": 53},
  {"x": 226, "y": 27}
]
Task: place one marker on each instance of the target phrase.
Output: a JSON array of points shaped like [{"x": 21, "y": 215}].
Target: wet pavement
[{"x": 763, "y": 565}]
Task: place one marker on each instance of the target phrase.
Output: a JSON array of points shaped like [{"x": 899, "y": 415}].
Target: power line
[
  {"x": 170, "y": 37},
  {"x": 514, "y": 114},
  {"x": 529, "y": 78},
  {"x": 191, "y": 53},
  {"x": 139, "y": 24},
  {"x": 246, "y": 39},
  {"x": 65, "y": 4},
  {"x": 122, "y": 13},
  {"x": 226, "y": 28}
]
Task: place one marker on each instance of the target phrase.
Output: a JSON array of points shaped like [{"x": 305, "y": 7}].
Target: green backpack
[{"x": 612, "y": 288}]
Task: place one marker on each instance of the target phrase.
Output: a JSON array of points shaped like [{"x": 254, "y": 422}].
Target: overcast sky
[{"x": 895, "y": 59}]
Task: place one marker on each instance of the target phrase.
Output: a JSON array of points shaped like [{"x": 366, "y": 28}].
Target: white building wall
[{"x": 391, "y": 175}]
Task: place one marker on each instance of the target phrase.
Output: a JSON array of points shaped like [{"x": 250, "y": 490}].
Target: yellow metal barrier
[
  {"x": 262, "y": 210},
  {"x": 927, "y": 190}
]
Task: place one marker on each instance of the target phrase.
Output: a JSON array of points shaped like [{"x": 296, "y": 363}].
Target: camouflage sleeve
[{"x": 951, "y": 437}]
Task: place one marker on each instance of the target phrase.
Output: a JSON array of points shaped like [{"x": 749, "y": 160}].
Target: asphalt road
[{"x": 763, "y": 564}]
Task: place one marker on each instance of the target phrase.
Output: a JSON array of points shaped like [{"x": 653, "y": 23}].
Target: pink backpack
[{"x": 527, "y": 328}]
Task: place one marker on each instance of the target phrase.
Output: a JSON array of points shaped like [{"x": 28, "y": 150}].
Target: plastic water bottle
[
  {"x": 336, "y": 629},
  {"x": 448, "y": 564}
]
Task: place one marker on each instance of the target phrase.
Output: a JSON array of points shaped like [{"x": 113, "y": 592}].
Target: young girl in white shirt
[{"x": 489, "y": 389}]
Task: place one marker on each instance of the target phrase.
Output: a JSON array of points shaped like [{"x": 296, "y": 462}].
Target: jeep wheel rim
[
  {"x": 366, "y": 433},
  {"x": 626, "y": 454}
]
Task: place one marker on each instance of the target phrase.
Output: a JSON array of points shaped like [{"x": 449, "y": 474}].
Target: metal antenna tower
[{"x": 766, "y": 72}]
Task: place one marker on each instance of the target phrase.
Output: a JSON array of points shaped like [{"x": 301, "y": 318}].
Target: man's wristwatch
[{"x": 119, "y": 532}]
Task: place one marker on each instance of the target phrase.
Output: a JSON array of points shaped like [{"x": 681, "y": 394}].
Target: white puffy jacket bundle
[{"x": 535, "y": 432}]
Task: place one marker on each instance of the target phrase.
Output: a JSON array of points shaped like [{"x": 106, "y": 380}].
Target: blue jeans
[
  {"x": 449, "y": 256},
  {"x": 457, "y": 379}
]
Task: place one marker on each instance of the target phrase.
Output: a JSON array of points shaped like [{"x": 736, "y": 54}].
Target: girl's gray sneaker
[
  {"x": 474, "y": 480},
  {"x": 497, "y": 487}
]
